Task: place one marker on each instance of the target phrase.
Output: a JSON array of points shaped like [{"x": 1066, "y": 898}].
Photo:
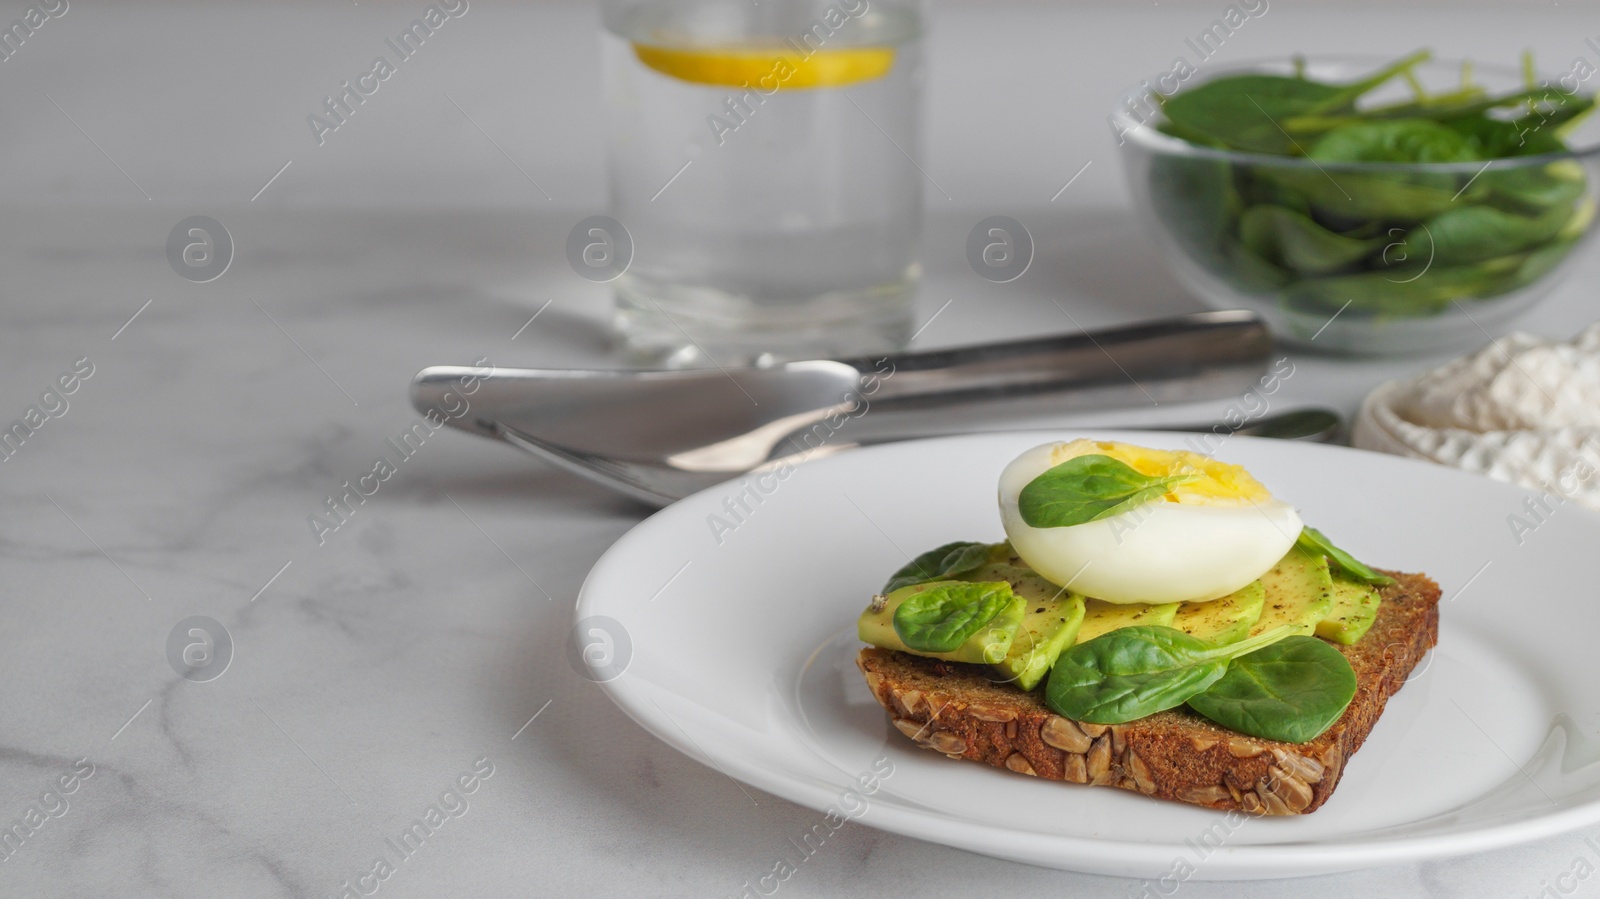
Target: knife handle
[{"x": 1203, "y": 355}]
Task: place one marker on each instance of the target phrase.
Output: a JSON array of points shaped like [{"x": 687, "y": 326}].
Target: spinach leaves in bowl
[{"x": 1306, "y": 191}]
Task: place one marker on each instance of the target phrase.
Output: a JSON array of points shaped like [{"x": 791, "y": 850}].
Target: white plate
[{"x": 737, "y": 630}]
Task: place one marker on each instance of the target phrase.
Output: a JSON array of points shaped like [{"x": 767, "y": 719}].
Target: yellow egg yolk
[{"x": 1209, "y": 482}]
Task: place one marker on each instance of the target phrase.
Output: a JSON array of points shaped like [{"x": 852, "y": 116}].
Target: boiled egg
[{"x": 1213, "y": 532}]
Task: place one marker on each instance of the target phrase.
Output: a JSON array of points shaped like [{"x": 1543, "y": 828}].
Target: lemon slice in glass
[{"x": 770, "y": 68}]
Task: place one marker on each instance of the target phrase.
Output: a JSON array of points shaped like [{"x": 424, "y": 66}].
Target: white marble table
[{"x": 420, "y": 647}]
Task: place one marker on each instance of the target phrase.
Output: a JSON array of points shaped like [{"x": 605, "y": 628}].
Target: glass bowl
[{"x": 1346, "y": 257}]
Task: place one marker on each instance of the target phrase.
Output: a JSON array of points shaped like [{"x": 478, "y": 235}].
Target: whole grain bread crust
[{"x": 961, "y": 711}]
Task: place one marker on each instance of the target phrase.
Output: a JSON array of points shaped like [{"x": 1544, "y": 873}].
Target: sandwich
[{"x": 1155, "y": 620}]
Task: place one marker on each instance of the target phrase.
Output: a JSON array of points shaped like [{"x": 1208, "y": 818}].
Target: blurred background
[
  {"x": 204, "y": 102},
  {"x": 152, "y": 111}
]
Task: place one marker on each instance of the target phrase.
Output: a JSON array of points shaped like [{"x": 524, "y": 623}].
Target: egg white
[{"x": 1159, "y": 552}]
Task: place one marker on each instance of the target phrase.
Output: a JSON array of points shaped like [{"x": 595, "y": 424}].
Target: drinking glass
[{"x": 762, "y": 164}]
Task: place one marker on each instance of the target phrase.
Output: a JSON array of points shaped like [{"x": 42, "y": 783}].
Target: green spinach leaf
[
  {"x": 1132, "y": 672},
  {"x": 1543, "y": 260},
  {"x": 1402, "y": 292},
  {"x": 1297, "y": 243},
  {"x": 1501, "y": 139},
  {"x": 1348, "y": 94},
  {"x": 1291, "y": 691},
  {"x": 1243, "y": 111},
  {"x": 938, "y": 564},
  {"x": 1357, "y": 195},
  {"x": 1247, "y": 112},
  {"x": 1198, "y": 138},
  {"x": 1086, "y": 488},
  {"x": 942, "y": 617},
  {"x": 1474, "y": 233},
  {"x": 1459, "y": 104},
  {"x": 1314, "y": 541},
  {"x": 1555, "y": 115},
  {"x": 1396, "y": 140},
  {"x": 1536, "y": 189},
  {"x": 1249, "y": 272}
]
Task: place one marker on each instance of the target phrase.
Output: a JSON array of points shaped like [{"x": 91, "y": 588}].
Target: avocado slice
[
  {"x": 1299, "y": 593},
  {"x": 1050, "y": 620},
  {"x": 988, "y": 646},
  {"x": 1223, "y": 620},
  {"x": 1100, "y": 617},
  {"x": 1354, "y": 608}
]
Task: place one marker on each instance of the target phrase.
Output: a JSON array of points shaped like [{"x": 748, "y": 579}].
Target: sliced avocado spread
[
  {"x": 1050, "y": 621},
  {"x": 1103, "y": 617},
  {"x": 1354, "y": 608},
  {"x": 1223, "y": 620},
  {"x": 1299, "y": 592},
  {"x": 988, "y": 645},
  {"x": 1024, "y": 640}
]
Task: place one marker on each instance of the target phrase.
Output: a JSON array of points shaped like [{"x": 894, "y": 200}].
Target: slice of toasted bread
[{"x": 961, "y": 711}]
